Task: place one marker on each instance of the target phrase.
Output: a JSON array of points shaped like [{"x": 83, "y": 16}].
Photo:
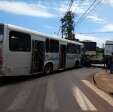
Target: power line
[
  {"x": 80, "y": 3},
  {"x": 95, "y": 32},
  {"x": 70, "y": 3},
  {"x": 98, "y": 3},
  {"x": 80, "y": 20},
  {"x": 82, "y": 16}
]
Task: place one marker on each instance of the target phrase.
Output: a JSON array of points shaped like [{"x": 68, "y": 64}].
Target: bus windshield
[{"x": 1, "y": 32}]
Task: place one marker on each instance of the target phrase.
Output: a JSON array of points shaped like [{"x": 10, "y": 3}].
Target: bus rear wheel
[{"x": 48, "y": 69}]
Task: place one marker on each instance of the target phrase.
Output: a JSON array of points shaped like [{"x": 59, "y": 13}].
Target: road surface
[{"x": 68, "y": 91}]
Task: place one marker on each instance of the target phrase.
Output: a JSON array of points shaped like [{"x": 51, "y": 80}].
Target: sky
[{"x": 44, "y": 16}]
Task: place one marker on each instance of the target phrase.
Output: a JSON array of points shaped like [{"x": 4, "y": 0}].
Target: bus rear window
[{"x": 1, "y": 32}]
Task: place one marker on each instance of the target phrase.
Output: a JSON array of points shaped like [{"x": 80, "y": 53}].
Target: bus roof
[
  {"x": 40, "y": 34},
  {"x": 109, "y": 42}
]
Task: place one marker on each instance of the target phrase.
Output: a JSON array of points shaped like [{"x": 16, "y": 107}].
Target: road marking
[
  {"x": 99, "y": 92},
  {"x": 51, "y": 102},
  {"x": 82, "y": 100},
  {"x": 21, "y": 98}
]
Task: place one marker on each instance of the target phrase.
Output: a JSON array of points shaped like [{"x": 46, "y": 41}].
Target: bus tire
[{"x": 48, "y": 69}]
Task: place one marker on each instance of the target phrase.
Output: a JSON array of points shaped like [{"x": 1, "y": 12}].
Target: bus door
[
  {"x": 62, "y": 56},
  {"x": 38, "y": 51}
]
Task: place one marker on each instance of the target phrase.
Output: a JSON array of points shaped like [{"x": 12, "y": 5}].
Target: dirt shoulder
[{"x": 104, "y": 81}]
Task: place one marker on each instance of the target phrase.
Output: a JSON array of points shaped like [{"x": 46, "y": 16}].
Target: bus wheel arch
[{"x": 48, "y": 68}]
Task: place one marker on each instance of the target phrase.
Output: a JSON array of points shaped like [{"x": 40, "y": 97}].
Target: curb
[{"x": 109, "y": 91}]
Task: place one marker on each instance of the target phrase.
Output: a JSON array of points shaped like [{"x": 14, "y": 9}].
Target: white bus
[
  {"x": 108, "y": 51},
  {"x": 26, "y": 52}
]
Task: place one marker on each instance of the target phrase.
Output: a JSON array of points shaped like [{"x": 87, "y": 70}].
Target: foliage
[
  {"x": 99, "y": 50},
  {"x": 67, "y": 26}
]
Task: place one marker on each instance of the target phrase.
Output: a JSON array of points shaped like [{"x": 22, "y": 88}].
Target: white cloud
[
  {"x": 23, "y": 8},
  {"x": 76, "y": 8},
  {"x": 62, "y": 8},
  {"x": 109, "y": 2},
  {"x": 107, "y": 28},
  {"x": 79, "y": 9},
  {"x": 96, "y": 19},
  {"x": 100, "y": 41}
]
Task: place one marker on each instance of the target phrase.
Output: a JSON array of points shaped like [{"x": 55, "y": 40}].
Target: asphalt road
[{"x": 68, "y": 91}]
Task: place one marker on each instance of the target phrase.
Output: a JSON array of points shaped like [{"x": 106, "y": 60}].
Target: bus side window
[
  {"x": 52, "y": 45},
  {"x": 71, "y": 48},
  {"x": 19, "y": 41},
  {"x": 78, "y": 49}
]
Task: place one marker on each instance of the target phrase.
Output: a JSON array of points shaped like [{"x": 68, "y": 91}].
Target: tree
[{"x": 67, "y": 26}]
